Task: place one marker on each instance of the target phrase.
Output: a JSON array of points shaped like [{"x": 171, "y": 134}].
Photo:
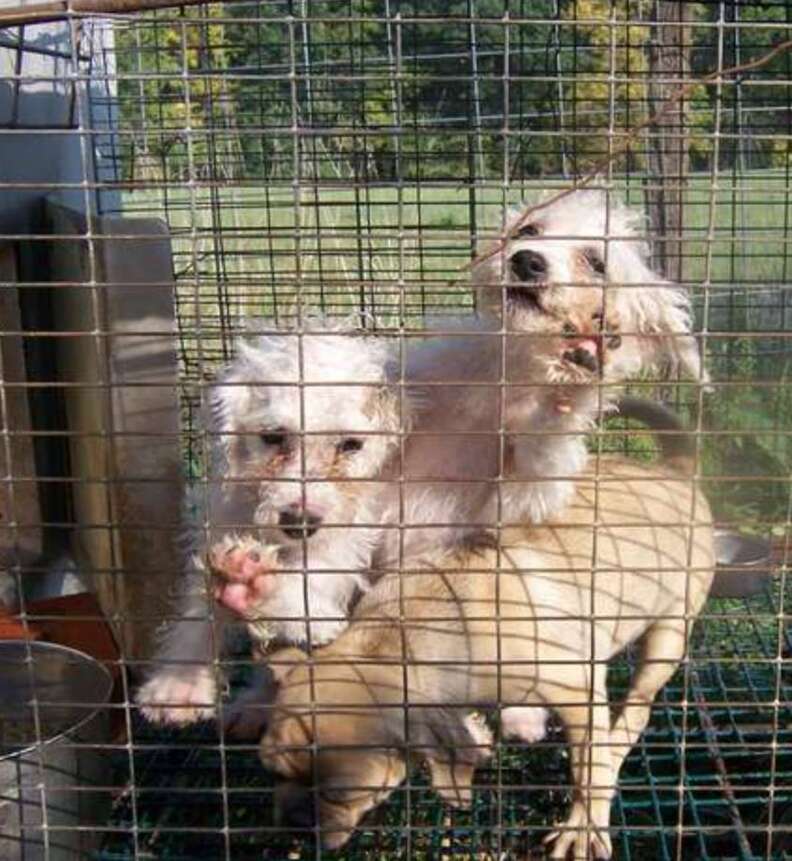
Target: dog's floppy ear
[
  {"x": 670, "y": 319},
  {"x": 229, "y": 395},
  {"x": 464, "y": 743},
  {"x": 284, "y": 660},
  {"x": 452, "y": 742},
  {"x": 659, "y": 310},
  {"x": 390, "y": 410}
]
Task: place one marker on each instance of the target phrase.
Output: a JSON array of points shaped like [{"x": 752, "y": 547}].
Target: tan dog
[{"x": 533, "y": 621}]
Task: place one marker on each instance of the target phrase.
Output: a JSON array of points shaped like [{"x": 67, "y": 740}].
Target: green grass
[{"x": 342, "y": 235}]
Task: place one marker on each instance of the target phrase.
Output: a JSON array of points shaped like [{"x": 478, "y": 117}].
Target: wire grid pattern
[
  {"x": 353, "y": 156},
  {"x": 733, "y": 693}
]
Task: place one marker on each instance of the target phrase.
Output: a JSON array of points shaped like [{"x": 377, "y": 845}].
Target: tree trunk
[{"x": 669, "y": 68}]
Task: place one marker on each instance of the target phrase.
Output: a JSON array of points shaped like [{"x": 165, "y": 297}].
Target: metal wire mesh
[
  {"x": 353, "y": 157},
  {"x": 726, "y": 799}
]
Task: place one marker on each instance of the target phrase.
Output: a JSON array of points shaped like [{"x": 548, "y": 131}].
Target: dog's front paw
[
  {"x": 179, "y": 696},
  {"x": 528, "y": 723},
  {"x": 323, "y": 631},
  {"x": 244, "y": 574},
  {"x": 316, "y": 630},
  {"x": 581, "y": 836}
]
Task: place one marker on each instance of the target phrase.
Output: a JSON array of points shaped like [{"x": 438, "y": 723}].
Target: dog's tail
[{"x": 676, "y": 440}]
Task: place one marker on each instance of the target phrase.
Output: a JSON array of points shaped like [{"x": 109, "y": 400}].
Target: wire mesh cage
[{"x": 350, "y": 186}]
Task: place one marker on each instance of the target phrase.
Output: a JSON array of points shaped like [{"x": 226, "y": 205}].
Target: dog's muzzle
[
  {"x": 582, "y": 358},
  {"x": 296, "y": 523},
  {"x": 530, "y": 269}
]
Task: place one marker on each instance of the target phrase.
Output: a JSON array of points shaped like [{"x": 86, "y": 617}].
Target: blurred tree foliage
[
  {"x": 172, "y": 90},
  {"x": 416, "y": 89}
]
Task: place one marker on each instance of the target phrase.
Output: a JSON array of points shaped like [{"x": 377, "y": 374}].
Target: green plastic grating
[{"x": 701, "y": 784}]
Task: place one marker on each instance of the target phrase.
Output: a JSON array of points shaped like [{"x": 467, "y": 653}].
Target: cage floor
[{"x": 710, "y": 779}]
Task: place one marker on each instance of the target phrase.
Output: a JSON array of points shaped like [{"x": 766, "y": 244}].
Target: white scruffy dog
[
  {"x": 297, "y": 464},
  {"x": 579, "y": 262},
  {"x": 569, "y": 310},
  {"x": 309, "y": 489},
  {"x": 498, "y": 406}
]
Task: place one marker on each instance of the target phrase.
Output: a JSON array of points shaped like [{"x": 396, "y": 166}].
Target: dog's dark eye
[
  {"x": 595, "y": 261},
  {"x": 350, "y": 445},
  {"x": 275, "y": 437},
  {"x": 527, "y": 230}
]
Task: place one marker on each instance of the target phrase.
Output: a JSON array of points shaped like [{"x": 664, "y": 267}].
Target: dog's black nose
[
  {"x": 529, "y": 266},
  {"x": 582, "y": 357},
  {"x": 297, "y": 523}
]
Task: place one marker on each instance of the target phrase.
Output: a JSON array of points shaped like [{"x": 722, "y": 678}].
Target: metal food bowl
[
  {"x": 743, "y": 565},
  {"x": 53, "y": 778}
]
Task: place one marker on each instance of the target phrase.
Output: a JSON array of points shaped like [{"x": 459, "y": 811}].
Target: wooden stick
[{"x": 60, "y": 10}]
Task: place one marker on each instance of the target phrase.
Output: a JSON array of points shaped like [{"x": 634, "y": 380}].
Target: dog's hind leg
[
  {"x": 662, "y": 648},
  {"x": 587, "y": 727}
]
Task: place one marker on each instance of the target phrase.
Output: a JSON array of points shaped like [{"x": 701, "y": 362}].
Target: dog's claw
[{"x": 586, "y": 841}]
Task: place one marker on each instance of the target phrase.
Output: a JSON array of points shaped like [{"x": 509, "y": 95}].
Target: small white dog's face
[
  {"x": 307, "y": 421},
  {"x": 578, "y": 265}
]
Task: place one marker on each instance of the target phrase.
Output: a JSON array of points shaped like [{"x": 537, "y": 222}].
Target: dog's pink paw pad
[
  {"x": 245, "y": 575},
  {"x": 235, "y": 596}
]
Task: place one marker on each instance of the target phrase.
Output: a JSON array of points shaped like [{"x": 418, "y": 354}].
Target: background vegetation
[
  {"x": 394, "y": 91},
  {"x": 353, "y": 154}
]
